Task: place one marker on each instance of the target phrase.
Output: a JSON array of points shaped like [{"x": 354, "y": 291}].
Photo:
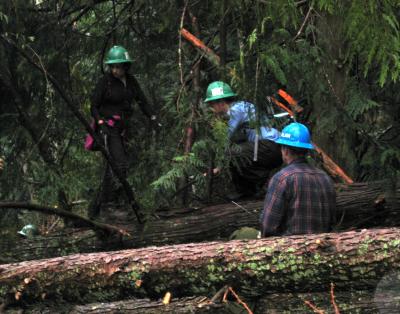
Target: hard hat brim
[
  {"x": 229, "y": 95},
  {"x": 282, "y": 141},
  {"x": 118, "y": 61}
]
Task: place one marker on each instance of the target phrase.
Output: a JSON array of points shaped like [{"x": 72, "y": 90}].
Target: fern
[
  {"x": 358, "y": 104},
  {"x": 390, "y": 157},
  {"x": 272, "y": 64},
  {"x": 373, "y": 31}
]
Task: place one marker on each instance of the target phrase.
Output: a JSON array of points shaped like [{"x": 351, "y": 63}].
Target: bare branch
[
  {"x": 304, "y": 23},
  {"x": 66, "y": 214}
]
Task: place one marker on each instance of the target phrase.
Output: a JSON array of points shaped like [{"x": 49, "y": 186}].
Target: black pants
[
  {"x": 114, "y": 143},
  {"x": 250, "y": 176}
]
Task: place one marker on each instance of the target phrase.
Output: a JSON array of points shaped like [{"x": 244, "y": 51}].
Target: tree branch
[
  {"x": 66, "y": 214},
  {"x": 304, "y": 23}
]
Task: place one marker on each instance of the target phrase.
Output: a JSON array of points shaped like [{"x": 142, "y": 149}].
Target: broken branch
[
  {"x": 67, "y": 214},
  {"x": 209, "y": 53}
]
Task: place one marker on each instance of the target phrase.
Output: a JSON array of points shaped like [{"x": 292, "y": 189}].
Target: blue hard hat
[{"x": 295, "y": 135}]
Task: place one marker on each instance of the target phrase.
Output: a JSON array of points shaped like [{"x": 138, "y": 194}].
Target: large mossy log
[
  {"x": 359, "y": 205},
  {"x": 281, "y": 264}
]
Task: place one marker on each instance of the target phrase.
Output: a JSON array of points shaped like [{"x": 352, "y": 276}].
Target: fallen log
[
  {"x": 195, "y": 305},
  {"x": 354, "y": 259},
  {"x": 198, "y": 305},
  {"x": 354, "y": 301},
  {"x": 359, "y": 204},
  {"x": 363, "y": 301}
]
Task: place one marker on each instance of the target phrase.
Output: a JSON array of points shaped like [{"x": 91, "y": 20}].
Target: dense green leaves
[{"x": 341, "y": 58}]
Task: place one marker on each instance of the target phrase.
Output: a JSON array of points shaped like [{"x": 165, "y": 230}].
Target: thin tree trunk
[
  {"x": 222, "y": 36},
  {"x": 189, "y": 136}
]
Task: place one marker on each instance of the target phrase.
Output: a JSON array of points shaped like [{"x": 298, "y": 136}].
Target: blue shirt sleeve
[
  {"x": 237, "y": 116},
  {"x": 244, "y": 112}
]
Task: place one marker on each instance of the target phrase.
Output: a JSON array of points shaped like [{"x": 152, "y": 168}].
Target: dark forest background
[{"x": 340, "y": 58}]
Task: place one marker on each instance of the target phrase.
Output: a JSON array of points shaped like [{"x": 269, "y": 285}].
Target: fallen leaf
[
  {"x": 138, "y": 283},
  {"x": 167, "y": 298},
  {"x": 18, "y": 295}
]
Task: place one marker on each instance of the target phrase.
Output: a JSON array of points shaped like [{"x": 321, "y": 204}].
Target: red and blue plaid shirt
[{"x": 301, "y": 199}]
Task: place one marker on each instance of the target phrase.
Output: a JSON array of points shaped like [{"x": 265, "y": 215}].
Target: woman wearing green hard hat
[{"x": 111, "y": 108}]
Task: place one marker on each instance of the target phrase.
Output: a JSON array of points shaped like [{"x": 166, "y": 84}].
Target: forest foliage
[{"x": 340, "y": 58}]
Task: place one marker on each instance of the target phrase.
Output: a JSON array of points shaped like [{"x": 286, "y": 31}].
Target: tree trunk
[
  {"x": 358, "y": 301},
  {"x": 253, "y": 268},
  {"x": 341, "y": 143},
  {"x": 195, "y": 305},
  {"x": 359, "y": 204},
  {"x": 145, "y": 306}
]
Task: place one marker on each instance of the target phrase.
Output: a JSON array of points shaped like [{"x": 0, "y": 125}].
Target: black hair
[
  {"x": 127, "y": 66},
  {"x": 297, "y": 151}
]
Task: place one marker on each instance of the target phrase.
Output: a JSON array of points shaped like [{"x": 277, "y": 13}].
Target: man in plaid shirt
[{"x": 301, "y": 199}]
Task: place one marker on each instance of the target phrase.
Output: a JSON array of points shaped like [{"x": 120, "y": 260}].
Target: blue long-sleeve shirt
[{"x": 242, "y": 114}]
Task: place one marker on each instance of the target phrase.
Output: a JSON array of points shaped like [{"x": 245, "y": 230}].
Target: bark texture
[
  {"x": 356, "y": 301},
  {"x": 359, "y": 205},
  {"x": 355, "y": 259},
  {"x": 195, "y": 305},
  {"x": 198, "y": 305}
]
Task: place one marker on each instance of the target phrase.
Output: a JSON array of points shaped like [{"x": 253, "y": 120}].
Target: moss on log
[{"x": 296, "y": 263}]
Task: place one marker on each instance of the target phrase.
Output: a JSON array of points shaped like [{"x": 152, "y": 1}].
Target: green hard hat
[
  {"x": 218, "y": 90},
  {"x": 29, "y": 231},
  {"x": 118, "y": 54}
]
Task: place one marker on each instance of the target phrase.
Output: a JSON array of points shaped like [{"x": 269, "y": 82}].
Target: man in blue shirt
[{"x": 255, "y": 153}]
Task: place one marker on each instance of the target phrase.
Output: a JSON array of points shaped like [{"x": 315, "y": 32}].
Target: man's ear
[{"x": 284, "y": 150}]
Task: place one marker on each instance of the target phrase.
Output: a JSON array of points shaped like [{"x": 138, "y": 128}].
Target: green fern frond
[{"x": 273, "y": 65}]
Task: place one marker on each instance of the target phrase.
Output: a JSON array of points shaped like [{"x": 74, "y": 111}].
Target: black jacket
[{"x": 110, "y": 97}]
